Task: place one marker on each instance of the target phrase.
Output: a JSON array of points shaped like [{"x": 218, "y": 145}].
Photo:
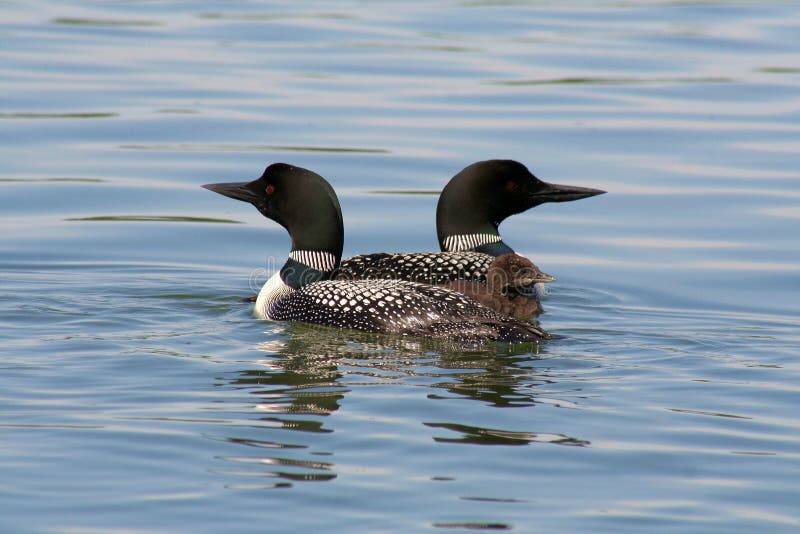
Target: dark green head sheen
[
  {"x": 300, "y": 200},
  {"x": 481, "y": 196}
]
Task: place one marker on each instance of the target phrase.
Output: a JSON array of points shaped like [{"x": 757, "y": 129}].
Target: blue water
[{"x": 138, "y": 394}]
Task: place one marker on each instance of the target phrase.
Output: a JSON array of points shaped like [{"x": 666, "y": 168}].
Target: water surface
[{"x": 138, "y": 393}]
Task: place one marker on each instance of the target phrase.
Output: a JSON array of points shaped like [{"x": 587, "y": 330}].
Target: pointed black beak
[
  {"x": 239, "y": 190},
  {"x": 563, "y": 193}
]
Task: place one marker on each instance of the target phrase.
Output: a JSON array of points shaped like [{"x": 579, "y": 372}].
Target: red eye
[
  {"x": 270, "y": 189},
  {"x": 511, "y": 185}
]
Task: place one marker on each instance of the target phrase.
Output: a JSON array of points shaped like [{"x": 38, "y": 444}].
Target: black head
[
  {"x": 299, "y": 200},
  {"x": 481, "y": 196}
]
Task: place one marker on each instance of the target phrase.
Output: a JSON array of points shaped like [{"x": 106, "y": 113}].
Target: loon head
[
  {"x": 477, "y": 199},
  {"x": 300, "y": 200}
]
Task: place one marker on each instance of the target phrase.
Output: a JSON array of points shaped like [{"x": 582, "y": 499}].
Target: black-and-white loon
[
  {"x": 303, "y": 290},
  {"x": 471, "y": 207}
]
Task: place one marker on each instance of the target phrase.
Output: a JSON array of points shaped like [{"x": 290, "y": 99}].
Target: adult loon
[
  {"x": 471, "y": 207},
  {"x": 303, "y": 289}
]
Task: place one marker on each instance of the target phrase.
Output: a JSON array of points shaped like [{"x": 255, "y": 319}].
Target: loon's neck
[
  {"x": 303, "y": 267},
  {"x": 314, "y": 222},
  {"x": 468, "y": 214},
  {"x": 472, "y": 232},
  {"x": 487, "y": 242},
  {"x": 308, "y": 266}
]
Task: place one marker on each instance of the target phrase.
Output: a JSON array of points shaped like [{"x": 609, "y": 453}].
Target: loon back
[{"x": 422, "y": 267}]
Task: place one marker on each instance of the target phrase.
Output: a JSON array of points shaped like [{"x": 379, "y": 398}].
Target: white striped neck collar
[
  {"x": 316, "y": 259},
  {"x": 466, "y": 242}
]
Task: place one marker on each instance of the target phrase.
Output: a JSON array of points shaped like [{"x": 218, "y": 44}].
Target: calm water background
[{"x": 137, "y": 392}]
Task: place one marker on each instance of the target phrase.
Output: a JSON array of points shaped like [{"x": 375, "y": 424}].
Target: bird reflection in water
[{"x": 309, "y": 370}]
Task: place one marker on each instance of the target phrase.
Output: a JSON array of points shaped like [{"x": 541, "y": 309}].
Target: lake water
[{"x": 138, "y": 393}]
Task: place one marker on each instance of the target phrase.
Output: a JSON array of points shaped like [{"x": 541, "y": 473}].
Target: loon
[
  {"x": 471, "y": 207},
  {"x": 304, "y": 289}
]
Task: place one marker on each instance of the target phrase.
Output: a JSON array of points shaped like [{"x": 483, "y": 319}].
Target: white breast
[{"x": 272, "y": 291}]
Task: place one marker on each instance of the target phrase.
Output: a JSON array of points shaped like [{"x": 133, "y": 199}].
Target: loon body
[
  {"x": 303, "y": 290},
  {"x": 470, "y": 209}
]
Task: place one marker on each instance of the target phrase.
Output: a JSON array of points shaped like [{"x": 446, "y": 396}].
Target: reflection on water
[
  {"x": 308, "y": 373},
  {"x": 76, "y": 115},
  {"x": 104, "y": 22},
  {"x": 474, "y": 526},
  {"x": 488, "y": 436}
]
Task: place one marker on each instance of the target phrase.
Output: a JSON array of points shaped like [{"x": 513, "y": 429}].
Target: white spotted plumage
[
  {"x": 391, "y": 306},
  {"x": 422, "y": 267}
]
